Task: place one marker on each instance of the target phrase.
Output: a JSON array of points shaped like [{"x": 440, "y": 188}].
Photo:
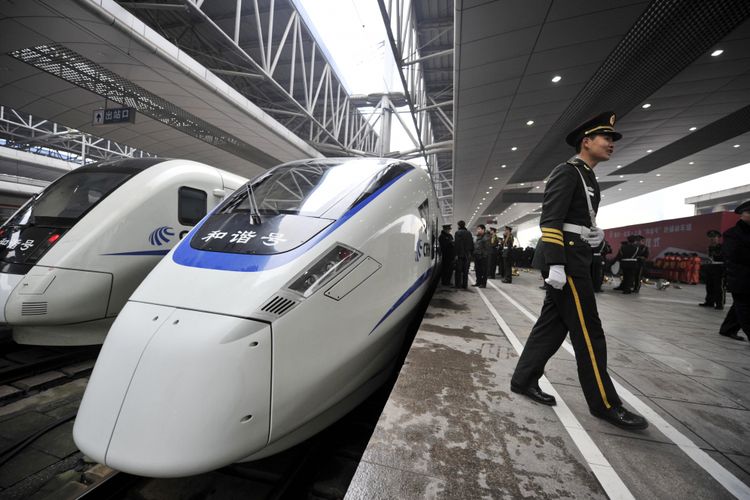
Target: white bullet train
[
  {"x": 279, "y": 313},
  {"x": 73, "y": 254}
]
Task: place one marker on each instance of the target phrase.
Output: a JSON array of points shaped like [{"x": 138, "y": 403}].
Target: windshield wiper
[{"x": 254, "y": 212}]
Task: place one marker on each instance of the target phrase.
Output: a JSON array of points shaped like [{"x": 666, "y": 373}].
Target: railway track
[{"x": 19, "y": 362}]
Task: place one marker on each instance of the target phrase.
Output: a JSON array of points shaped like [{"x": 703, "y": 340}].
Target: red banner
[{"x": 684, "y": 235}]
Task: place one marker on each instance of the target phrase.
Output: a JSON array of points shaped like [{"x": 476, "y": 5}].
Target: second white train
[{"x": 72, "y": 255}]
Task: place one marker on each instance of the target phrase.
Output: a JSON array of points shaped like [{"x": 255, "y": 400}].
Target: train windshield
[
  {"x": 301, "y": 189},
  {"x": 69, "y": 198}
]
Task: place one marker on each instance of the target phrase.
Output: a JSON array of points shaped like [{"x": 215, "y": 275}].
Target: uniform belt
[
  {"x": 628, "y": 260},
  {"x": 597, "y": 254},
  {"x": 575, "y": 228}
]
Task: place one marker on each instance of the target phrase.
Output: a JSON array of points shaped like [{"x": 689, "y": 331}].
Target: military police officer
[{"x": 568, "y": 224}]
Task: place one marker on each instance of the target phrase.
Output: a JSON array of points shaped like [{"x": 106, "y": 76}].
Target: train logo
[{"x": 160, "y": 236}]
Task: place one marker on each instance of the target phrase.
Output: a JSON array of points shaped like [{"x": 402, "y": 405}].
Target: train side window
[{"x": 191, "y": 206}]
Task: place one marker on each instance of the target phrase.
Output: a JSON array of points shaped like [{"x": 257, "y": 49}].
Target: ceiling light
[
  {"x": 503, "y": 166},
  {"x": 523, "y": 183},
  {"x": 480, "y": 204},
  {"x": 496, "y": 178},
  {"x": 646, "y": 106},
  {"x": 486, "y": 198},
  {"x": 693, "y": 128},
  {"x": 538, "y": 187},
  {"x": 736, "y": 146},
  {"x": 545, "y": 182},
  {"x": 513, "y": 148},
  {"x": 490, "y": 187},
  {"x": 717, "y": 53},
  {"x": 556, "y": 78},
  {"x": 619, "y": 166},
  {"x": 649, "y": 150},
  {"x": 619, "y": 189},
  {"x": 640, "y": 182},
  {"x": 691, "y": 163},
  {"x": 622, "y": 176},
  {"x": 487, "y": 192},
  {"x": 530, "y": 123},
  {"x": 658, "y": 175},
  {"x": 597, "y": 178}
]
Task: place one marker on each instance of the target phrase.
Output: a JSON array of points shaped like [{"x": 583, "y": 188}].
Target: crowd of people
[{"x": 494, "y": 255}]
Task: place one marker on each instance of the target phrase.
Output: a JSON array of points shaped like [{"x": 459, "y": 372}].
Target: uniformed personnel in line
[{"x": 568, "y": 225}]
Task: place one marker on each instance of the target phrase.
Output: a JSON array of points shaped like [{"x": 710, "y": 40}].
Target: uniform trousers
[
  {"x": 638, "y": 276},
  {"x": 738, "y": 316},
  {"x": 507, "y": 266},
  {"x": 715, "y": 294},
  {"x": 480, "y": 268},
  {"x": 629, "y": 270},
  {"x": 491, "y": 263},
  {"x": 462, "y": 271},
  {"x": 570, "y": 310},
  {"x": 447, "y": 270}
]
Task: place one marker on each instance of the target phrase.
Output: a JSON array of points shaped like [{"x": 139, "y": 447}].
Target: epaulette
[{"x": 577, "y": 162}]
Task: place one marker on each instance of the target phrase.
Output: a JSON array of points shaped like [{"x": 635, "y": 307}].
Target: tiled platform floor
[{"x": 452, "y": 428}]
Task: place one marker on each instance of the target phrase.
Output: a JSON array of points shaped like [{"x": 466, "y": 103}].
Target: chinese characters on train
[
  {"x": 243, "y": 237},
  {"x": 23, "y": 245}
]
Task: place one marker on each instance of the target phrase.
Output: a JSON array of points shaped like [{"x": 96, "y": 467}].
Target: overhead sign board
[{"x": 113, "y": 115}]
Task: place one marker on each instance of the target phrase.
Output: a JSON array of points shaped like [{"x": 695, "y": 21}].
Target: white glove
[
  {"x": 594, "y": 237},
  {"x": 556, "y": 278}
]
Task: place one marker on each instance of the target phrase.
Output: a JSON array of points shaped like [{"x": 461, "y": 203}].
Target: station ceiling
[
  {"x": 509, "y": 119},
  {"x": 59, "y": 59},
  {"x": 681, "y": 110}
]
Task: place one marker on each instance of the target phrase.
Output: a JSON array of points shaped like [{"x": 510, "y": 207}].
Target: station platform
[{"x": 452, "y": 429}]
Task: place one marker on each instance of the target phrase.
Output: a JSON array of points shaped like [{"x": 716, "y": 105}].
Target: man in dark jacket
[
  {"x": 568, "y": 224},
  {"x": 482, "y": 249},
  {"x": 463, "y": 244},
  {"x": 736, "y": 251},
  {"x": 445, "y": 240}
]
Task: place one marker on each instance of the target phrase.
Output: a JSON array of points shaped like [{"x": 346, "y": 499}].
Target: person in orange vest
[
  {"x": 671, "y": 266},
  {"x": 695, "y": 269},
  {"x": 683, "y": 268}
]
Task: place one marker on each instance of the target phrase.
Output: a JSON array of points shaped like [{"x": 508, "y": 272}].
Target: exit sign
[{"x": 113, "y": 115}]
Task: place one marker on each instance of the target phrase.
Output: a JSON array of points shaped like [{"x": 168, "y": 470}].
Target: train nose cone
[
  {"x": 177, "y": 392},
  {"x": 7, "y": 283}
]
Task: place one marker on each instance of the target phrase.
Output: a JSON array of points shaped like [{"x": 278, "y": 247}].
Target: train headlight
[{"x": 323, "y": 270}]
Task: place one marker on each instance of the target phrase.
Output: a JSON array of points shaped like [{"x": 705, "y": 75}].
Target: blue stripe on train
[
  {"x": 189, "y": 256},
  {"x": 420, "y": 281}
]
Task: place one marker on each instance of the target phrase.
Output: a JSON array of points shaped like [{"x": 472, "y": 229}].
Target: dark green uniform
[{"x": 572, "y": 309}]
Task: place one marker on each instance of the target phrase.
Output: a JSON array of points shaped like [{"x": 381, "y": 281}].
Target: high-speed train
[
  {"x": 275, "y": 316},
  {"x": 73, "y": 254}
]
